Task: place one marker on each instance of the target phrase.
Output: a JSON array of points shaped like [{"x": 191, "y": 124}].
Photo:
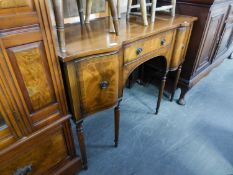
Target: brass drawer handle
[
  {"x": 104, "y": 85},
  {"x": 163, "y": 42},
  {"x": 139, "y": 51},
  {"x": 23, "y": 171}
]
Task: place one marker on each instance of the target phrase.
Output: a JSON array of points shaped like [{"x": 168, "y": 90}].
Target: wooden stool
[
  {"x": 143, "y": 5},
  {"x": 113, "y": 13}
]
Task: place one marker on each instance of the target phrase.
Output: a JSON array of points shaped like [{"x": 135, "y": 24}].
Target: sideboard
[
  {"x": 211, "y": 41},
  {"x": 35, "y": 134},
  {"x": 97, "y": 63}
]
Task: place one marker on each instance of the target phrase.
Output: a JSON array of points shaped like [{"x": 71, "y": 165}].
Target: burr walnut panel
[
  {"x": 98, "y": 79},
  {"x": 30, "y": 61}
]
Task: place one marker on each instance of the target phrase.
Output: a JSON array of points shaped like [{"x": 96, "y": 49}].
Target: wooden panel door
[
  {"x": 30, "y": 58},
  {"x": 212, "y": 35}
]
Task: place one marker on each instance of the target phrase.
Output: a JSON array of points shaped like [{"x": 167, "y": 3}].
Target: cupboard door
[
  {"x": 225, "y": 39},
  {"x": 212, "y": 35},
  {"x": 30, "y": 58}
]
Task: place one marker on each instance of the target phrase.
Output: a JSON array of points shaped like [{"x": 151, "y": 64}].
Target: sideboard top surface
[{"x": 97, "y": 38}]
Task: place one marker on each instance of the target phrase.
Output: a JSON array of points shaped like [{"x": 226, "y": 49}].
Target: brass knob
[
  {"x": 139, "y": 51},
  {"x": 163, "y": 42},
  {"x": 104, "y": 85}
]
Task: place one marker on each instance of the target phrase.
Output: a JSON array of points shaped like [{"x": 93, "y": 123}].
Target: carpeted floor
[{"x": 196, "y": 139}]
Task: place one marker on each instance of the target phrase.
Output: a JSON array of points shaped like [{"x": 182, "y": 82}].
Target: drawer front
[
  {"x": 36, "y": 156},
  {"x": 98, "y": 81},
  {"x": 143, "y": 47}
]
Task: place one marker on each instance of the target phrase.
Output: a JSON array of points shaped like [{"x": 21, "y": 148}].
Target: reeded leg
[
  {"x": 176, "y": 82},
  {"x": 144, "y": 12},
  {"x": 59, "y": 17},
  {"x": 80, "y": 10},
  {"x": 181, "y": 100},
  {"x": 128, "y": 8},
  {"x": 119, "y": 8},
  {"x": 79, "y": 128},
  {"x": 161, "y": 90},
  {"x": 88, "y": 11},
  {"x": 173, "y": 11},
  {"x": 117, "y": 123},
  {"x": 114, "y": 15},
  {"x": 153, "y": 7}
]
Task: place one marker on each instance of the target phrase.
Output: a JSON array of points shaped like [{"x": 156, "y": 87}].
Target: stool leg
[
  {"x": 144, "y": 12},
  {"x": 153, "y": 10},
  {"x": 128, "y": 8},
  {"x": 80, "y": 11},
  {"x": 114, "y": 15},
  {"x": 173, "y": 11},
  {"x": 161, "y": 90},
  {"x": 119, "y": 8},
  {"x": 176, "y": 82},
  {"x": 88, "y": 11},
  {"x": 79, "y": 128},
  {"x": 117, "y": 123}
]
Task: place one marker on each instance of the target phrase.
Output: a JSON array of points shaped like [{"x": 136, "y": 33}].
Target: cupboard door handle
[
  {"x": 139, "y": 51},
  {"x": 163, "y": 42},
  {"x": 104, "y": 85},
  {"x": 24, "y": 171}
]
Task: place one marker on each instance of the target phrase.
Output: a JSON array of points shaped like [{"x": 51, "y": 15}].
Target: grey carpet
[{"x": 196, "y": 139}]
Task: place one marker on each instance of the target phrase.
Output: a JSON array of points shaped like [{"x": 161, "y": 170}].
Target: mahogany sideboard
[
  {"x": 35, "y": 134},
  {"x": 211, "y": 41},
  {"x": 97, "y": 63}
]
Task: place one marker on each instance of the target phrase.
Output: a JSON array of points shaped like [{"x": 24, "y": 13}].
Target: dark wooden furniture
[
  {"x": 211, "y": 41},
  {"x": 35, "y": 134},
  {"x": 97, "y": 64}
]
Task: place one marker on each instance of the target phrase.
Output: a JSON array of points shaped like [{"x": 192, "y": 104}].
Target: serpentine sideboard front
[{"x": 97, "y": 63}]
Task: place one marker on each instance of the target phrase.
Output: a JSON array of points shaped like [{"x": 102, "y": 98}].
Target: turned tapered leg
[
  {"x": 128, "y": 8},
  {"x": 59, "y": 17},
  {"x": 144, "y": 12},
  {"x": 161, "y": 90},
  {"x": 153, "y": 9},
  {"x": 119, "y": 8},
  {"x": 114, "y": 15},
  {"x": 181, "y": 100},
  {"x": 80, "y": 11},
  {"x": 173, "y": 11},
  {"x": 79, "y": 128},
  {"x": 176, "y": 82},
  {"x": 117, "y": 123},
  {"x": 88, "y": 11}
]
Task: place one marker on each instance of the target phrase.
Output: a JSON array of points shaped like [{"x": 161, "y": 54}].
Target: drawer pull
[
  {"x": 163, "y": 42},
  {"x": 23, "y": 171},
  {"x": 139, "y": 51},
  {"x": 104, "y": 85}
]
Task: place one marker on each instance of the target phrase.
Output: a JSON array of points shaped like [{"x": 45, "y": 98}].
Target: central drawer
[{"x": 140, "y": 48}]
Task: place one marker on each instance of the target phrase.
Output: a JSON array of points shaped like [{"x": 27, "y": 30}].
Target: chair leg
[
  {"x": 80, "y": 11},
  {"x": 144, "y": 12},
  {"x": 173, "y": 10},
  {"x": 128, "y": 8},
  {"x": 161, "y": 90},
  {"x": 114, "y": 15},
  {"x": 176, "y": 82},
  {"x": 79, "y": 128},
  {"x": 117, "y": 123},
  {"x": 119, "y": 8},
  {"x": 153, "y": 10},
  {"x": 88, "y": 11}
]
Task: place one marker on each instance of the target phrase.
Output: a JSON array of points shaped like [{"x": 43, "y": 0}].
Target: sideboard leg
[
  {"x": 181, "y": 100},
  {"x": 114, "y": 15},
  {"x": 117, "y": 123},
  {"x": 80, "y": 11},
  {"x": 161, "y": 90},
  {"x": 79, "y": 127},
  {"x": 176, "y": 82}
]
